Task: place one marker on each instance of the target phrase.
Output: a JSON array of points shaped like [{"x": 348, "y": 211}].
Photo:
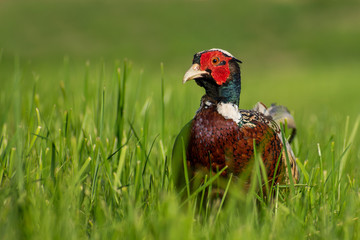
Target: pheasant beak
[{"x": 194, "y": 72}]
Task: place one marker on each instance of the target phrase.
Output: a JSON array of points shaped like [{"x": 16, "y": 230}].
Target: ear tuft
[{"x": 239, "y": 61}]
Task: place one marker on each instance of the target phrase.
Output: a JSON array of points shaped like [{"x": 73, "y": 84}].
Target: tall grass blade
[
  {"x": 162, "y": 102},
  {"x": 35, "y": 135},
  {"x": 53, "y": 162},
  {"x": 186, "y": 175},
  {"x": 303, "y": 170},
  {"x": 122, "y": 77},
  {"x": 82, "y": 170},
  {"x": 223, "y": 197},
  {"x": 292, "y": 188},
  {"x": 349, "y": 142}
]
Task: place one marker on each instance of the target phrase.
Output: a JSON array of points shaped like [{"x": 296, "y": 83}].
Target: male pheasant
[{"x": 222, "y": 135}]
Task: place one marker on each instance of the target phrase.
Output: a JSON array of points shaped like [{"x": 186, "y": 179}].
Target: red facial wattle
[{"x": 218, "y": 63}]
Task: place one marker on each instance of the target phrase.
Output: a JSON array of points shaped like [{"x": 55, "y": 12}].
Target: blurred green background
[
  {"x": 59, "y": 92},
  {"x": 304, "y": 54}
]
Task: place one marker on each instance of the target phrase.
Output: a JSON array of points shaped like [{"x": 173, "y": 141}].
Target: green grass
[
  {"x": 86, "y": 139},
  {"x": 64, "y": 172}
]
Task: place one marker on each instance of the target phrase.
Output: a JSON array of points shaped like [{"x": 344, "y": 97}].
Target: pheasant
[{"x": 222, "y": 135}]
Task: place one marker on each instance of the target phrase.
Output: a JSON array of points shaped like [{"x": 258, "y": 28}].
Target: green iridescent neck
[{"x": 229, "y": 92}]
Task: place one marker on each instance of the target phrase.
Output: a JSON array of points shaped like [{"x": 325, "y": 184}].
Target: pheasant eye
[{"x": 215, "y": 60}]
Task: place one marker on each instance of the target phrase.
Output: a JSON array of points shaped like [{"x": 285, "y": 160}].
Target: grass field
[{"x": 89, "y": 116}]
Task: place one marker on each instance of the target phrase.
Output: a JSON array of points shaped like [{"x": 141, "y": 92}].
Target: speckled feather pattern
[{"x": 216, "y": 142}]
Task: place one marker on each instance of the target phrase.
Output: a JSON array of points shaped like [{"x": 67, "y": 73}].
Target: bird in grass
[{"x": 223, "y": 137}]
